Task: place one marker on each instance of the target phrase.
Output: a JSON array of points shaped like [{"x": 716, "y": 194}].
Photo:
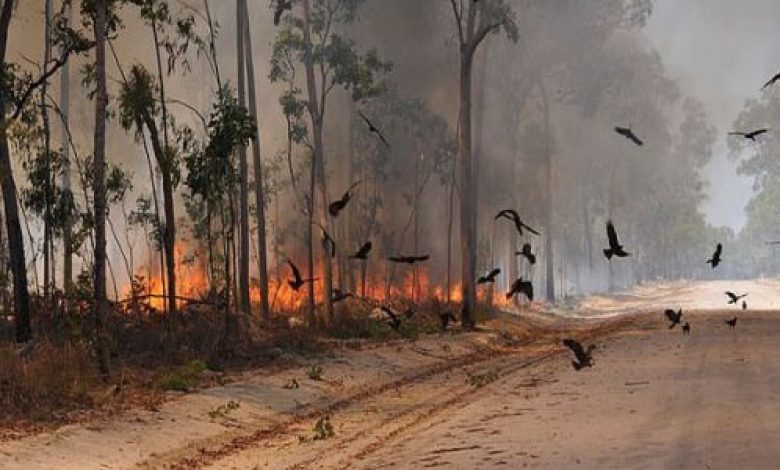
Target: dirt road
[{"x": 654, "y": 399}]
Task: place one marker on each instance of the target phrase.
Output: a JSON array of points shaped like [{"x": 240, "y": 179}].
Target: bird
[
  {"x": 744, "y": 305},
  {"x": 445, "y": 318},
  {"x": 750, "y": 135},
  {"x": 373, "y": 129},
  {"x": 297, "y": 281},
  {"x": 732, "y": 323},
  {"x": 521, "y": 287},
  {"x": 339, "y": 295},
  {"x": 686, "y": 328},
  {"x": 409, "y": 259},
  {"x": 629, "y": 134},
  {"x": 281, "y": 6},
  {"x": 733, "y": 298},
  {"x": 583, "y": 356},
  {"x": 328, "y": 243},
  {"x": 772, "y": 80},
  {"x": 673, "y": 317},
  {"x": 489, "y": 277},
  {"x": 526, "y": 251},
  {"x": 394, "y": 319},
  {"x": 615, "y": 248},
  {"x": 715, "y": 260},
  {"x": 338, "y": 205},
  {"x": 511, "y": 214},
  {"x": 363, "y": 251}
]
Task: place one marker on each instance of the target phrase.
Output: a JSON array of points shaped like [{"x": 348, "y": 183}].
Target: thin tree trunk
[
  {"x": 23, "y": 331},
  {"x": 243, "y": 168},
  {"x": 317, "y": 115},
  {"x": 468, "y": 244},
  {"x": 262, "y": 251},
  {"x": 47, "y": 229},
  {"x": 549, "y": 218},
  {"x": 101, "y": 103},
  {"x": 67, "y": 262}
]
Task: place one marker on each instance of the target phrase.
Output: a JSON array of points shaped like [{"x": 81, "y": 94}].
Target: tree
[
  {"x": 310, "y": 39},
  {"x": 262, "y": 255},
  {"x": 100, "y": 18},
  {"x": 474, "y": 22}
]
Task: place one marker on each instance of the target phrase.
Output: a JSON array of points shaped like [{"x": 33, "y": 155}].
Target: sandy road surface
[{"x": 654, "y": 399}]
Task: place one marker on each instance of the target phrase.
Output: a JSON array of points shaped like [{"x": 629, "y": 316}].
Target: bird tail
[{"x": 608, "y": 253}]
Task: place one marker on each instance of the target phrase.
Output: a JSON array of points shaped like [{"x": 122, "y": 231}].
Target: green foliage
[{"x": 183, "y": 378}]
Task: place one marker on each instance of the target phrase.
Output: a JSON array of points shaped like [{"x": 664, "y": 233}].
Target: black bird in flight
[
  {"x": 409, "y": 259},
  {"x": 615, "y": 248},
  {"x": 526, "y": 252},
  {"x": 393, "y": 318},
  {"x": 673, "y": 317},
  {"x": 771, "y": 81},
  {"x": 584, "y": 357},
  {"x": 489, "y": 277},
  {"x": 512, "y": 215},
  {"x": 328, "y": 243},
  {"x": 629, "y": 134},
  {"x": 363, "y": 252},
  {"x": 750, "y": 135},
  {"x": 338, "y": 205},
  {"x": 686, "y": 328},
  {"x": 732, "y": 323},
  {"x": 733, "y": 298},
  {"x": 715, "y": 260},
  {"x": 281, "y": 6},
  {"x": 445, "y": 318},
  {"x": 339, "y": 295},
  {"x": 521, "y": 287},
  {"x": 297, "y": 281},
  {"x": 373, "y": 129}
]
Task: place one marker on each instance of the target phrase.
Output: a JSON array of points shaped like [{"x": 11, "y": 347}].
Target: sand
[{"x": 654, "y": 399}]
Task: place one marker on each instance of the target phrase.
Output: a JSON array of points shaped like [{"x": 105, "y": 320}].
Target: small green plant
[
  {"x": 322, "y": 430},
  {"x": 482, "y": 379},
  {"x": 315, "y": 372},
  {"x": 183, "y": 378},
  {"x": 292, "y": 384},
  {"x": 223, "y": 410}
]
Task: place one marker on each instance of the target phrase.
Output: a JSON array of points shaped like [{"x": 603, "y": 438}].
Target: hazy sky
[{"x": 721, "y": 52}]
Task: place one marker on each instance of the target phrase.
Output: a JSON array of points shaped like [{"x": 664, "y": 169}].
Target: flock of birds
[
  {"x": 583, "y": 355},
  {"x": 519, "y": 286}
]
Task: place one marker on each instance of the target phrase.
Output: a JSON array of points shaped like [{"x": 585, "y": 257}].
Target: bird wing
[
  {"x": 576, "y": 348},
  {"x": 732, "y": 296},
  {"x": 670, "y": 315},
  {"x": 389, "y": 312},
  {"x": 367, "y": 121},
  {"x": 756, "y": 133},
  {"x": 346, "y": 195},
  {"x": 718, "y": 250},
  {"x": 506, "y": 213},
  {"x": 529, "y": 229},
  {"x": 421, "y": 258},
  {"x": 495, "y": 272},
  {"x": 771, "y": 80},
  {"x": 634, "y": 138},
  {"x": 382, "y": 138},
  {"x": 622, "y": 131},
  {"x": 295, "y": 271},
  {"x": 612, "y": 235}
]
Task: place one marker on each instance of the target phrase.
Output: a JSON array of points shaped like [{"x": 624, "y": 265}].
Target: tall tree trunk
[
  {"x": 67, "y": 241},
  {"x": 47, "y": 229},
  {"x": 262, "y": 252},
  {"x": 22, "y": 322},
  {"x": 99, "y": 182},
  {"x": 317, "y": 115},
  {"x": 243, "y": 168},
  {"x": 467, "y": 242},
  {"x": 549, "y": 207},
  {"x": 164, "y": 161}
]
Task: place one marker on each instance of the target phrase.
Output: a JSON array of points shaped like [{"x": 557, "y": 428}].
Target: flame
[{"x": 409, "y": 283}]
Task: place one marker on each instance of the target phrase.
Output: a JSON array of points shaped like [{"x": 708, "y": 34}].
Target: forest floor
[{"x": 505, "y": 397}]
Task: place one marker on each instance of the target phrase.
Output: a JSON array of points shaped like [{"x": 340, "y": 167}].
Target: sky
[{"x": 721, "y": 52}]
